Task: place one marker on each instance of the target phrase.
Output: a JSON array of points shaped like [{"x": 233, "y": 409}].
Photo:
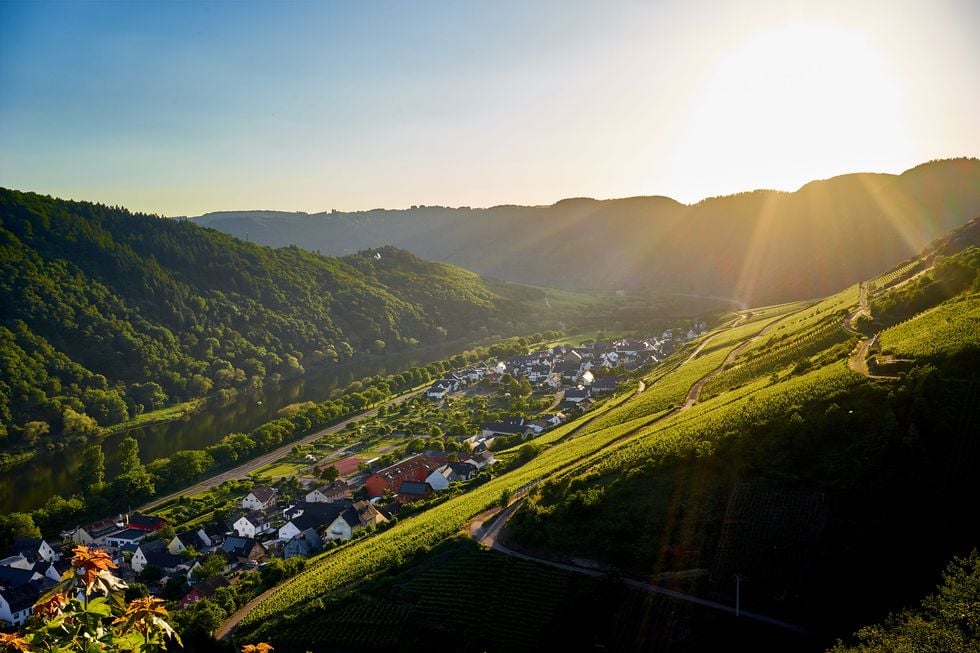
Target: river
[{"x": 28, "y": 486}]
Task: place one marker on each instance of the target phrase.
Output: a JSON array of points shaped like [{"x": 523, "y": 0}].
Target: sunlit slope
[
  {"x": 759, "y": 246},
  {"x": 623, "y": 425},
  {"x": 795, "y": 414}
]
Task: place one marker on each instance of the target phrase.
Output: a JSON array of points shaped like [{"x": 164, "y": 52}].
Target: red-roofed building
[
  {"x": 146, "y": 523},
  {"x": 416, "y": 468}
]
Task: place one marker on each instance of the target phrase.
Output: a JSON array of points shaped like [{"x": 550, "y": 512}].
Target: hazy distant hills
[{"x": 761, "y": 246}]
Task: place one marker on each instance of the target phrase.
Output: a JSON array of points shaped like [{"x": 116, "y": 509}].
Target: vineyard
[
  {"x": 475, "y": 599},
  {"x": 938, "y": 331},
  {"x": 369, "y": 557},
  {"x": 763, "y": 363},
  {"x": 805, "y": 321},
  {"x": 887, "y": 279},
  {"x": 628, "y": 432},
  {"x": 697, "y": 428},
  {"x": 359, "y": 625}
]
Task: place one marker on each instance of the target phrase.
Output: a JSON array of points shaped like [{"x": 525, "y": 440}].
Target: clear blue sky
[{"x": 188, "y": 107}]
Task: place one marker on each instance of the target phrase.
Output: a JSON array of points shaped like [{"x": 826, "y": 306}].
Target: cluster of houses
[
  {"x": 572, "y": 370},
  {"x": 563, "y": 366},
  {"x": 267, "y": 525},
  {"x": 29, "y": 567}
]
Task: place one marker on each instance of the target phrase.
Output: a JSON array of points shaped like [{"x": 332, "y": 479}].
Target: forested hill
[
  {"x": 105, "y": 313},
  {"x": 762, "y": 246}
]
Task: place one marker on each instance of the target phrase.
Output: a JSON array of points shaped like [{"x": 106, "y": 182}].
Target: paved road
[
  {"x": 490, "y": 538},
  {"x": 247, "y": 468}
]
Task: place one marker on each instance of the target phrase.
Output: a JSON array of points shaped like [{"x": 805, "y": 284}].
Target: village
[{"x": 436, "y": 443}]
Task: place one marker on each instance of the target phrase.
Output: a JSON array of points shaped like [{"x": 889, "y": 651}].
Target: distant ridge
[{"x": 761, "y": 246}]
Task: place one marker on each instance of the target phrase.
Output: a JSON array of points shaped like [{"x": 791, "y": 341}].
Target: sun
[{"x": 792, "y": 102}]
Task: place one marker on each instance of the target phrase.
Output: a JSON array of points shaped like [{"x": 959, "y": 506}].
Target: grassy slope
[{"x": 799, "y": 431}]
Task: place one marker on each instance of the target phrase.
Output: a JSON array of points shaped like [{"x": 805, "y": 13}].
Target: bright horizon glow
[
  {"x": 789, "y": 101},
  {"x": 182, "y": 109}
]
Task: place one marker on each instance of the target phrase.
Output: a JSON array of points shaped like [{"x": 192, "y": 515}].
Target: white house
[
  {"x": 34, "y": 549},
  {"x": 329, "y": 493},
  {"x": 199, "y": 540},
  {"x": 17, "y": 604},
  {"x": 483, "y": 459},
  {"x": 441, "y": 478},
  {"x": 439, "y": 389},
  {"x": 125, "y": 536},
  {"x": 250, "y": 524},
  {"x": 361, "y": 515},
  {"x": 48, "y": 570},
  {"x": 296, "y": 526},
  {"x": 343, "y": 526},
  {"x": 94, "y": 534},
  {"x": 154, "y": 553},
  {"x": 259, "y": 498},
  {"x": 18, "y": 561}
]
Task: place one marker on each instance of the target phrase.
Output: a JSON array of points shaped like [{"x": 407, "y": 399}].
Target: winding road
[{"x": 490, "y": 537}]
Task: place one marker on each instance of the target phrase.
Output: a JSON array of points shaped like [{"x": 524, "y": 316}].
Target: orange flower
[
  {"x": 145, "y": 608},
  {"x": 52, "y": 606},
  {"x": 261, "y": 647},
  {"x": 13, "y": 642},
  {"x": 92, "y": 561}
]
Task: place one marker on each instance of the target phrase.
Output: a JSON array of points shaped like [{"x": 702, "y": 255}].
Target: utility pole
[{"x": 738, "y": 594}]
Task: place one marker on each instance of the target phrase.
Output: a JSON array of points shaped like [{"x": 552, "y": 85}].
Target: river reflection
[{"x": 28, "y": 486}]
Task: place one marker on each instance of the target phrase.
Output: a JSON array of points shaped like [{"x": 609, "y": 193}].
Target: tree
[
  {"x": 150, "y": 395},
  {"x": 330, "y": 473},
  {"x": 33, "y": 431},
  {"x": 945, "y": 621},
  {"x": 91, "y": 476},
  {"x": 106, "y": 406},
  {"x": 16, "y": 524},
  {"x": 167, "y": 533},
  {"x": 290, "y": 487},
  {"x": 129, "y": 454},
  {"x": 213, "y": 565}
]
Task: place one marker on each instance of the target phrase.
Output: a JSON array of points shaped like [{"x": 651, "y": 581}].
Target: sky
[{"x": 181, "y": 108}]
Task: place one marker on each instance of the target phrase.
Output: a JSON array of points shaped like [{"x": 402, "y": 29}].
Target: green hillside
[
  {"x": 757, "y": 452},
  {"x": 760, "y": 247},
  {"x": 106, "y": 314}
]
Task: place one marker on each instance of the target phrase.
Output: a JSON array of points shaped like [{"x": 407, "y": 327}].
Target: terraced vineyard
[
  {"x": 936, "y": 331},
  {"x": 698, "y": 428},
  {"x": 806, "y": 320},
  {"x": 629, "y": 432},
  {"x": 778, "y": 357},
  {"x": 885, "y": 280},
  {"x": 364, "y": 559}
]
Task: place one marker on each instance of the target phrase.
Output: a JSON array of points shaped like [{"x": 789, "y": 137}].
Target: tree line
[{"x": 107, "y": 314}]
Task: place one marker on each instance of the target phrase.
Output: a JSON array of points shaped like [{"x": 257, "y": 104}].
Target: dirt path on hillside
[
  {"x": 694, "y": 395},
  {"x": 858, "y": 360}
]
